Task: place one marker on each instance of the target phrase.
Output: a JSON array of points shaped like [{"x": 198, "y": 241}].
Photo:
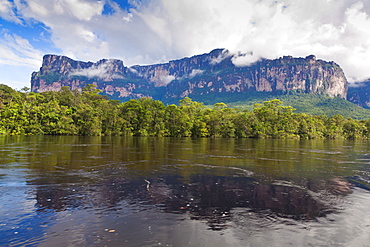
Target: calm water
[{"x": 115, "y": 191}]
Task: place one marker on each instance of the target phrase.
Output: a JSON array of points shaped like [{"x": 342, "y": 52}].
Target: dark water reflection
[{"x": 115, "y": 191}]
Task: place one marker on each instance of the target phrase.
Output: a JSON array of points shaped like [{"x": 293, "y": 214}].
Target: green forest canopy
[{"x": 69, "y": 112}]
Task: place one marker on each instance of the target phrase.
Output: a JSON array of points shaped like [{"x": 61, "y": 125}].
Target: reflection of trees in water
[{"x": 205, "y": 197}]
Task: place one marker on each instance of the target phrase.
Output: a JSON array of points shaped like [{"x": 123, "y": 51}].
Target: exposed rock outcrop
[
  {"x": 359, "y": 93},
  {"x": 214, "y": 72}
]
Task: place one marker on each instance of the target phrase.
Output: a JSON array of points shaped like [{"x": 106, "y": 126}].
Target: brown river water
[{"x": 136, "y": 191}]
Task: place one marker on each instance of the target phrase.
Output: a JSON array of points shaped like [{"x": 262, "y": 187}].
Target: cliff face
[
  {"x": 214, "y": 72},
  {"x": 359, "y": 94}
]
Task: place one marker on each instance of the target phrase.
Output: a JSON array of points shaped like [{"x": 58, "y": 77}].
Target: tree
[
  {"x": 145, "y": 116},
  {"x": 220, "y": 121},
  {"x": 334, "y": 127},
  {"x": 176, "y": 123},
  {"x": 246, "y": 125},
  {"x": 354, "y": 129},
  {"x": 7, "y": 95},
  {"x": 69, "y": 112},
  {"x": 195, "y": 112}
]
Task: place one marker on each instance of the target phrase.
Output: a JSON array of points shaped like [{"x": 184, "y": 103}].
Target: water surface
[{"x": 126, "y": 191}]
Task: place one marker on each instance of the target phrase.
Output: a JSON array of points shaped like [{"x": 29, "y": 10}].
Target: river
[{"x": 136, "y": 191}]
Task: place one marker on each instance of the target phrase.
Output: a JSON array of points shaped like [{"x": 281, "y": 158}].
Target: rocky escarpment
[
  {"x": 359, "y": 93},
  {"x": 214, "y": 72}
]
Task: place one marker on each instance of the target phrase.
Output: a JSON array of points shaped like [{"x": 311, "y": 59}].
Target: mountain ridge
[{"x": 216, "y": 72}]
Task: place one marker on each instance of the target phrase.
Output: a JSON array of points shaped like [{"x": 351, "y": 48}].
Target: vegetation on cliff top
[{"x": 88, "y": 113}]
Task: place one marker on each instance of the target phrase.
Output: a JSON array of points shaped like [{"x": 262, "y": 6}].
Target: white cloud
[
  {"x": 15, "y": 50},
  {"x": 223, "y": 55},
  {"x": 162, "y": 80},
  {"x": 196, "y": 72},
  {"x": 246, "y": 59},
  {"x": 102, "y": 71},
  {"x": 332, "y": 30},
  {"x": 18, "y": 60},
  {"x": 160, "y": 30},
  {"x": 7, "y": 11},
  {"x": 38, "y": 9},
  {"x": 84, "y": 10}
]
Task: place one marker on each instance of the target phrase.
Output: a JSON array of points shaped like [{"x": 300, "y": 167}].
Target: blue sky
[{"x": 152, "y": 31}]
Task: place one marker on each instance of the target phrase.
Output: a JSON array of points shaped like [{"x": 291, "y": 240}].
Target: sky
[{"x": 153, "y": 31}]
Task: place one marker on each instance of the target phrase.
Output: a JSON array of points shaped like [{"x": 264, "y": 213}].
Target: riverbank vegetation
[
  {"x": 314, "y": 104},
  {"x": 88, "y": 113}
]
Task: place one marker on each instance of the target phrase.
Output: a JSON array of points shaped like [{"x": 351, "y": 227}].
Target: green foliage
[
  {"x": 305, "y": 103},
  {"x": 7, "y": 95},
  {"x": 88, "y": 113}
]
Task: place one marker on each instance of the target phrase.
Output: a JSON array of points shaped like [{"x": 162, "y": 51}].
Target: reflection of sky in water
[
  {"x": 350, "y": 227},
  {"x": 182, "y": 192},
  {"x": 149, "y": 228},
  {"x": 141, "y": 225},
  {"x": 20, "y": 223}
]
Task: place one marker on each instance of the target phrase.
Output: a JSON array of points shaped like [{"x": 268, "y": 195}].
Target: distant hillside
[
  {"x": 360, "y": 94},
  {"x": 303, "y": 103}
]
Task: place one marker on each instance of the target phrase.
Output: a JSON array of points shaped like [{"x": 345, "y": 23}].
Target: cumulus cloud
[{"x": 154, "y": 31}]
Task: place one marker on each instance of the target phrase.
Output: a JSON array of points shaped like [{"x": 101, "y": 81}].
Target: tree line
[{"x": 71, "y": 112}]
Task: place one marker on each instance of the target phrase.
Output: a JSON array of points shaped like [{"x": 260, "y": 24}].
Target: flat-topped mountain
[
  {"x": 216, "y": 72},
  {"x": 359, "y": 94}
]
